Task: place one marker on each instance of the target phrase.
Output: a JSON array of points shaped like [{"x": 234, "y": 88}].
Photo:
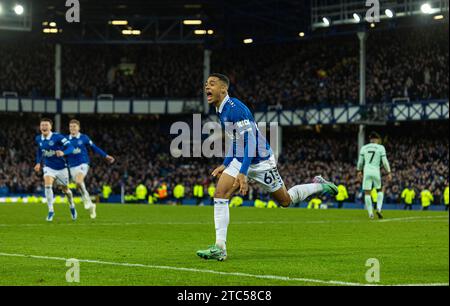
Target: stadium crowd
[
  {"x": 409, "y": 63},
  {"x": 141, "y": 147}
]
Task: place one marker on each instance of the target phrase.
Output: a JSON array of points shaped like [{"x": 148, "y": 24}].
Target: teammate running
[
  {"x": 79, "y": 162},
  {"x": 52, "y": 147}
]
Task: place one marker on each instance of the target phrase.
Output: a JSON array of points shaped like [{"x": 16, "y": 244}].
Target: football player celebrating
[
  {"x": 249, "y": 157},
  {"x": 79, "y": 162},
  {"x": 52, "y": 147}
]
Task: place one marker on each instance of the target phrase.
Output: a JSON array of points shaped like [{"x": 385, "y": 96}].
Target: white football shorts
[
  {"x": 81, "y": 169},
  {"x": 264, "y": 173},
  {"x": 61, "y": 176}
]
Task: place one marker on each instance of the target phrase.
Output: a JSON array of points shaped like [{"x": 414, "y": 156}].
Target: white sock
[
  {"x": 368, "y": 201},
  {"x": 380, "y": 201},
  {"x": 221, "y": 221},
  {"x": 301, "y": 192},
  {"x": 84, "y": 193},
  {"x": 49, "y": 197},
  {"x": 69, "y": 195}
]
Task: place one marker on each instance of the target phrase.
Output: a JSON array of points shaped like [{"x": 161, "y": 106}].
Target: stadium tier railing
[
  {"x": 100, "y": 106},
  {"x": 403, "y": 111}
]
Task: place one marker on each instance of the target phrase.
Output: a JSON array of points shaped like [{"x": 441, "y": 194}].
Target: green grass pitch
[{"x": 156, "y": 245}]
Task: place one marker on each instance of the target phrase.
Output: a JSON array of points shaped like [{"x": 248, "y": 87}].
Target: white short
[
  {"x": 265, "y": 173},
  {"x": 61, "y": 176},
  {"x": 81, "y": 169}
]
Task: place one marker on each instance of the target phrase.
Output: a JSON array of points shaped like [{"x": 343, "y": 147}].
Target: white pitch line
[
  {"x": 238, "y": 274},
  {"x": 413, "y": 218},
  {"x": 407, "y": 219}
]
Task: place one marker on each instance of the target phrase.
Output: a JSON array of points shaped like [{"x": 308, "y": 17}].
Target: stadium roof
[
  {"x": 223, "y": 22},
  {"x": 228, "y": 19}
]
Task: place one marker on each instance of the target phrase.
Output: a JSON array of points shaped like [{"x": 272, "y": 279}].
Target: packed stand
[
  {"x": 141, "y": 146},
  {"x": 406, "y": 62}
]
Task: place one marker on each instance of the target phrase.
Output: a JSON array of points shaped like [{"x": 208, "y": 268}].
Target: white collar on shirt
[
  {"x": 77, "y": 136},
  {"x": 222, "y": 105},
  {"x": 49, "y": 136}
]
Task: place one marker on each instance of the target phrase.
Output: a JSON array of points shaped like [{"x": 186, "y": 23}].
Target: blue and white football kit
[
  {"x": 79, "y": 159},
  {"x": 79, "y": 164},
  {"x": 249, "y": 152},
  {"x": 54, "y": 166}
]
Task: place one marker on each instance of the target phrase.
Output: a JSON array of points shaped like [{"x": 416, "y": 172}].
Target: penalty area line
[{"x": 205, "y": 271}]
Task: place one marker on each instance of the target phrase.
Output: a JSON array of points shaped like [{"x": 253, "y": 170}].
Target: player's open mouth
[{"x": 209, "y": 96}]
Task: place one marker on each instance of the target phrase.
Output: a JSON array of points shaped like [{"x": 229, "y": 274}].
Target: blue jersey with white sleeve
[
  {"x": 80, "y": 155},
  {"x": 246, "y": 143},
  {"x": 47, "y": 147}
]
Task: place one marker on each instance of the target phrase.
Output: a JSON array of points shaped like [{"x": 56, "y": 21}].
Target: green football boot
[
  {"x": 213, "y": 252},
  {"x": 328, "y": 187}
]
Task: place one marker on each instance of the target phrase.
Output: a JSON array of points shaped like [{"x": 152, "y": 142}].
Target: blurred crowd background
[
  {"x": 418, "y": 153},
  {"x": 407, "y": 63}
]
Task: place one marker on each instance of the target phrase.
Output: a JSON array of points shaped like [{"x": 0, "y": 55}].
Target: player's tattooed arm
[
  {"x": 218, "y": 171},
  {"x": 100, "y": 152},
  {"x": 241, "y": 181}
]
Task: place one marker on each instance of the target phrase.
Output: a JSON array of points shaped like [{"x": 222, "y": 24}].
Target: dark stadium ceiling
[
  {"x": 230, "y": 20},
  {"x": 161, "y": 22}
]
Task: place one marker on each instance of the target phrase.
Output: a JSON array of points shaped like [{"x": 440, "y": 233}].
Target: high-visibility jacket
[
  {"x": 162, "y": 191},
  {"x": 314, "y": 202},
  {"x": 72, "y": 186},
  {"x": 32, "y": 200},
  {"x": 342, "y": 193},
  {"x": 236, "y": 201},
  {"x": 260, "y": 204},
  {"x": 408, "y": 195},
  {"x": 374, "y": 195},
  {"x": 178, "y": 191},
  {"x": 58, "y": 200},
  {"x": 198, "y": 191},
  {"x": 141, "y": 192},
  {"x": 106, "y": 191},
  {"x": 446, "y": 196},
  {"x": 211, "y": 190},
  {"x": 426, "y": 197},
  {"x": 272, "y": 204}
]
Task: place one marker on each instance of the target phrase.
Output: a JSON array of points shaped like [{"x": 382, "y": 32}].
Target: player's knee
[{"x": 220, "y": 194}]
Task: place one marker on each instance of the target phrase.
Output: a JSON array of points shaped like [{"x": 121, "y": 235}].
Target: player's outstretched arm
[{"x": 100, "y": 152}]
